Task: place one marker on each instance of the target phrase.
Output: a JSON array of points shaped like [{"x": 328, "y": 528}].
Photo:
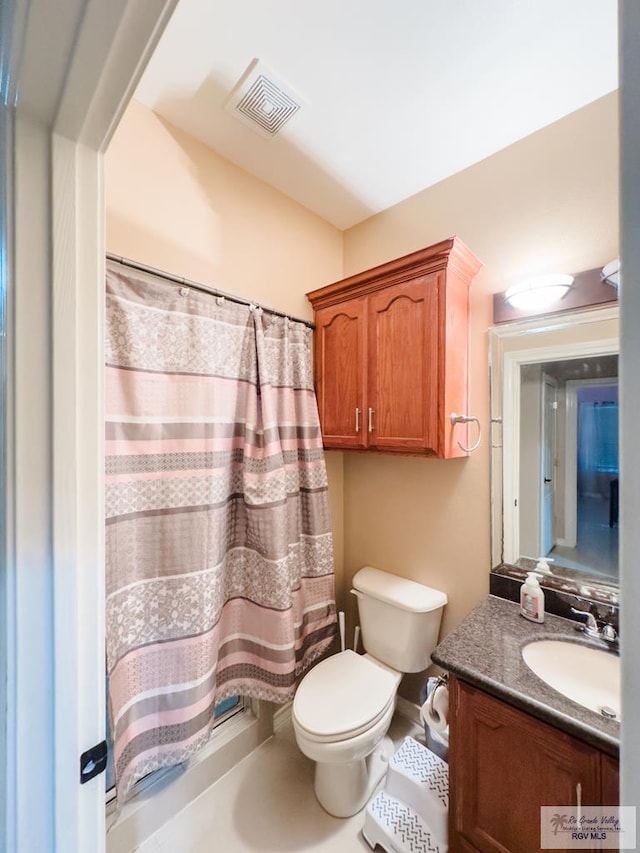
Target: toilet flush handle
[{"x": 356, "y": 593}]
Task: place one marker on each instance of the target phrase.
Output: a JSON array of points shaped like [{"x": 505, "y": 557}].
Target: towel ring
[{"x": 467, "y": 419}]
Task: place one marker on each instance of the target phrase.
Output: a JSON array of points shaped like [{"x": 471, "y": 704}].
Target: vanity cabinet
[
  {"x": 505, "y": 764},
  {"x": 610, "y": 781},
  {"x": 391, "y": 354}
]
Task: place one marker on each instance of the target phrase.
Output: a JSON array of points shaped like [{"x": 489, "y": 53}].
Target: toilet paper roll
[{"x": 435, "y": 711}]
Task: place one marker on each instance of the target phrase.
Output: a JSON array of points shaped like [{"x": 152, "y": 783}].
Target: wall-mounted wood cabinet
[
  {"x": 505, "y": 764},
  {"x": 391, "y": 353}
]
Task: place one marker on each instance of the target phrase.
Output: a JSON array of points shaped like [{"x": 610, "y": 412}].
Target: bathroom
[{"x": 540, "y": 193}]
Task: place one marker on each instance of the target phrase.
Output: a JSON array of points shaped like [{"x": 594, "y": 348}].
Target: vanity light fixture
[
  {"x": 538, "y": 292},
  {"x": 611, "y": 273}
]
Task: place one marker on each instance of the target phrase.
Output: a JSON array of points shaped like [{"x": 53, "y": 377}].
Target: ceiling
[
  {"x": 590, "y": 367},
  {"x": 396, "y": 96}
]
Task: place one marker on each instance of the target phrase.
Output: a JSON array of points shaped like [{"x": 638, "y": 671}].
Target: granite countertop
[{"x": 485, "y": 651}]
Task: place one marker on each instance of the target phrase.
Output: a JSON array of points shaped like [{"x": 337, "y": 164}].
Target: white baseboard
[
  {"x": 408, "y": 709},
  {"x": 282, "y": 716}
]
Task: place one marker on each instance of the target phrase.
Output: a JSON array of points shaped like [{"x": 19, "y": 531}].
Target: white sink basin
[{"x": 589, "y": 676}]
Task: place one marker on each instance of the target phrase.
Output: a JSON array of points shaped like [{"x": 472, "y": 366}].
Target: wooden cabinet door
[
  {"x": 403, "y": 347},
  {"x": 504, "y": 765},
  {"x": 340, "y": 341},
  {"x": 610, "y": 781}
]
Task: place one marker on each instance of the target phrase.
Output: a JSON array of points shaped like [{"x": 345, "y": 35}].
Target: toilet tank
[{"x": 399, "y": 619}]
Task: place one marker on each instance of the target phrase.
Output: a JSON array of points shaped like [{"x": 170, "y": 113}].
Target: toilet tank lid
[{"x": 403, "y": 593}]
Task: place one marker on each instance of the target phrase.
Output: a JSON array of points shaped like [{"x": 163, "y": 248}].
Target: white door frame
[
  {"x": 547, "y": 380},
  {"x": 571, "y": 456},
  {"x": 68, "y": 72},
  {"x": 629, "y": 28}
]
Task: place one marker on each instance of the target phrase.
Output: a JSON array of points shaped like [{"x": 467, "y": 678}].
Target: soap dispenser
[
  {"x": 542, "y": 566},
  {"x": 532, "y": 599}
]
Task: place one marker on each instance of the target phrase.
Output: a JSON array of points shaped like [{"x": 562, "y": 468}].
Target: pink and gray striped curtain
[{"x": 219, "y": 556}]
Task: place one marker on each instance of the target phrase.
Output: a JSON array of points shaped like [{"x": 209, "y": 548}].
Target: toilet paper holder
[
  {"x": 436, "y": 728},
  {"x": 442, "y": 680},
  {"x": 436, "y": 717},
  {"x": 437, "y": 681}
]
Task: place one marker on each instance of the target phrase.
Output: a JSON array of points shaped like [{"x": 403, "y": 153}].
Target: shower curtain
[{"x": 219, "y": 559}]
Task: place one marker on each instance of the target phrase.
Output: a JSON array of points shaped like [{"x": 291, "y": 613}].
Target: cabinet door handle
[
  {"x": 357, "y": 420},
  {"x": 579, "y": 799},
  {"x": 370, "y": 420}
]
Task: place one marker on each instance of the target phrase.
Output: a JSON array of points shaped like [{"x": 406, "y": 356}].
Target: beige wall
[
  {"x": 547, "y": 203},
  {"x": 174, "y": 204}
]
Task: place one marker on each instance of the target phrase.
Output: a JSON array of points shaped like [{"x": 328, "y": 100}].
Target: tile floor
[
  {"x": 266, "y": 805},
  {"x": 597, "y": 546}
]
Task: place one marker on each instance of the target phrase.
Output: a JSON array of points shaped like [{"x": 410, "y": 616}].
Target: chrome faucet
[{"x": 598, "y": 629}]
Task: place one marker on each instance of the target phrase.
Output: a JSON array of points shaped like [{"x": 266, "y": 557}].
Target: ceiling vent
[{"x": 262, "y": 101}]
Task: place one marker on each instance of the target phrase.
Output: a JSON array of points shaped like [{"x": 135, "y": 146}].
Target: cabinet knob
[
  {"x": 370, "y": 420},
  {"x": 357, "y": 420}
]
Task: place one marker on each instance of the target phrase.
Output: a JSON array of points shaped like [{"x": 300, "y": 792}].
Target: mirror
[{"x": 554, "y": 457}]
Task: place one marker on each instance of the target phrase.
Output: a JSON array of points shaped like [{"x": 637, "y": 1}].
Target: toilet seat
[{"x": 344, "y": 696}]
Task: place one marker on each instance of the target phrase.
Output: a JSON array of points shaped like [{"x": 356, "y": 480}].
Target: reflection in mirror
[
  {"x": 554, "y": 464},
  {"x": 569, "y": 463}
]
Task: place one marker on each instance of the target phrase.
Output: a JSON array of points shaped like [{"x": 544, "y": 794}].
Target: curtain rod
[{"x": 194, "y": 285}]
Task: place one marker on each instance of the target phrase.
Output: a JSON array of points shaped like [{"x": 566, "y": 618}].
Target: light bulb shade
[
  {"x": 611, "y": 273},
  {"x": 538, "y": 292}
]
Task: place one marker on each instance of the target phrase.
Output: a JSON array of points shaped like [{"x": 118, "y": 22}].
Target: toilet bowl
[
  {"x": 343, "y": 707},
  {"x": 341, "y": 714}
]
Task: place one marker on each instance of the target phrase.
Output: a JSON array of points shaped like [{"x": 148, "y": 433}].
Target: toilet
[{"x": 343, "y": 707}]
